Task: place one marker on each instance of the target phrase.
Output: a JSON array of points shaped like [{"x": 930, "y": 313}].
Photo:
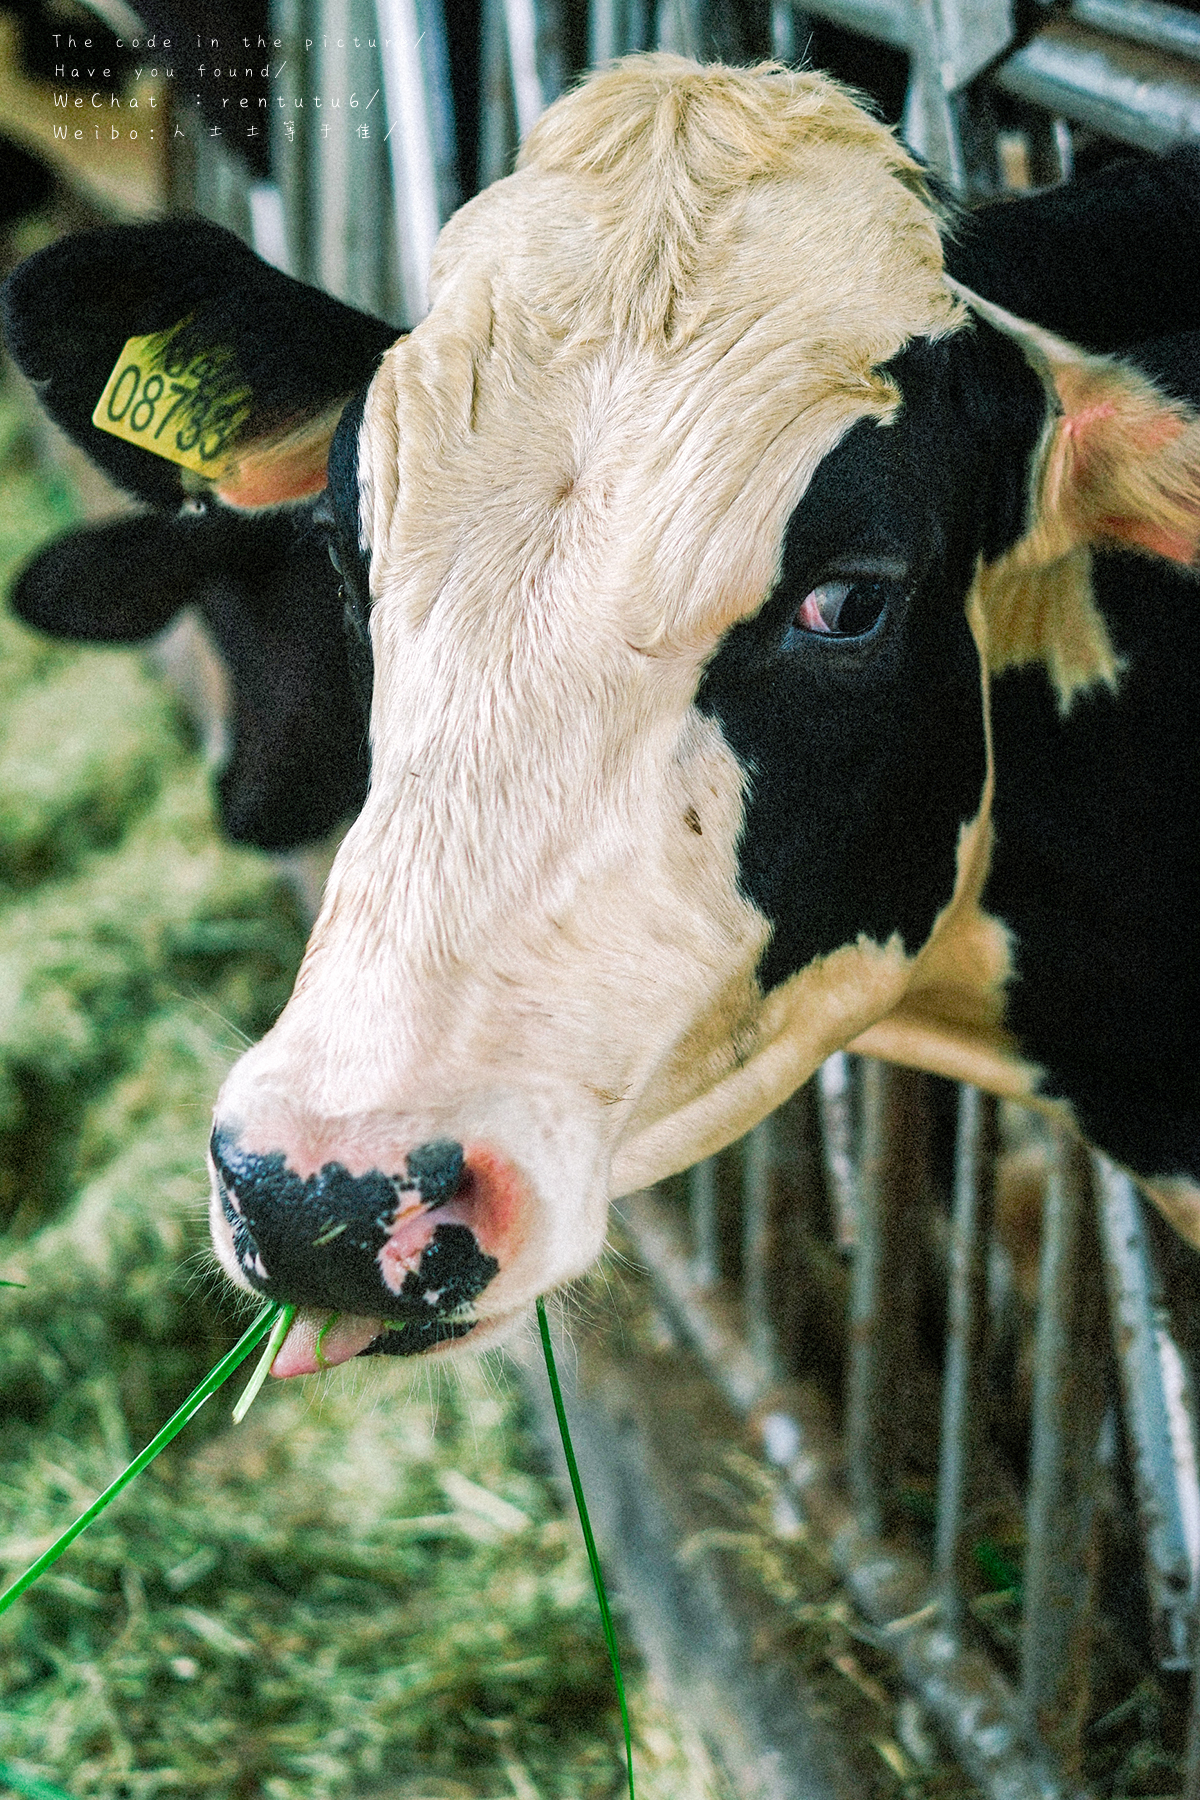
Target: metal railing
[
  {"x": 359, "y": 216},
  {"x": 849, "y": 1186},
  {"x": 829, "y": 1211}
]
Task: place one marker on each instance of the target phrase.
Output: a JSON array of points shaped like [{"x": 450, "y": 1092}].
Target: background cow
[{"x": 741, "y": 691}]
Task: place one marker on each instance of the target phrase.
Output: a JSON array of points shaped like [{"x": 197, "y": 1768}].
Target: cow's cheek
[{"x": 795, "y": 1027}]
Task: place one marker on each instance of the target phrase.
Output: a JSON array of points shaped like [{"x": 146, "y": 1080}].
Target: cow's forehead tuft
[
  {"x": 651, "y": 468},
  {"x": 660, "y": 192}
]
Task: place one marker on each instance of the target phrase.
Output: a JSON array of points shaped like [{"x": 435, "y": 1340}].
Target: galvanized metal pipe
[
  {"x": 966, "y": 1310},
  {"x": 759, "y": 1153},
  {"x": 411, "y": 150},
  {"x": 334, "y": 227},
  {"x": 702, "y": 1206},
  {"x": 521, "y": 24},
  {"x": 1167, "y": 28},
  {"x": 1136, "y": 95},
  {"x": 866, "y": 1378},
  {"x": 1068, "y": 1406},
  {"x": 497, "y": 122},
  {"x": 1159, "y": 1416},
  {"x": 835, "y": 1108}
]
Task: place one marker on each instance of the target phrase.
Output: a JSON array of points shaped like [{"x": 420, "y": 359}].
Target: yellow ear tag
[{"x": 188, "y": 412}]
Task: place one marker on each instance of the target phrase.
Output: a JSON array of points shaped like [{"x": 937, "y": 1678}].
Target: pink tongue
[{"x": 342, "y": 1340}]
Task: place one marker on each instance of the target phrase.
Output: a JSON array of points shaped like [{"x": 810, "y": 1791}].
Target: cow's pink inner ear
[
  {"x": 274, "y": 471},
  {"x": 1124, "y": 464}
]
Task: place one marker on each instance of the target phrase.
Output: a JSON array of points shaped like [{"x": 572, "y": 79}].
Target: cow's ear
[
  {"x": 1118, "y": 468},
  {"x": 1122, "y": 467},
  {"x": 115, "y": 583},
  {"x": 259, "y": 365}
]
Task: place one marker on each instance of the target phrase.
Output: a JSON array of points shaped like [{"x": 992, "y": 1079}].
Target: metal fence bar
[
  {"x": 866, "y": 1372},
  {"x": 335, "y": 218},
  {"x": 966, "y": 1314},
  {"x": 1068, "y": 1406},
  {"x": 835, "y": 1107},
  {"x": 1158, "y": 1414},
  {"x": 1167, "y": 28},
  {"x": 702, "y": 1203},
  {"x": 1136, "y": 95},
  {"x": 289, "y": 153},
  {"x": 520, "y": 24},
  {"x": 497, "y": 114},
  {"x": 411, "y": 147},
  {"x": 758, "y": 1179}
]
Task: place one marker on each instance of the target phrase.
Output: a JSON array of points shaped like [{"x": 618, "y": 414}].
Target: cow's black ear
[
  {"x": 69, "y": 311},
  {"x": 107, "y": 584}
]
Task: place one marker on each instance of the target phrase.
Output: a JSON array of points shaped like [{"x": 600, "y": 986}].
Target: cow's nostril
[
  {"x": 436, "y": 1169},
  {"x": 404, "y": 1247}
]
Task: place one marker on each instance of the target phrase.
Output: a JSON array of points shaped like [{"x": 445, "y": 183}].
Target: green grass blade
[
  {"x": 610, "y": 1635},
  {"x": 29, "y": 1786},
  {"x": 215, "y": 1378},
  {"x": 279, "y": 1331}
]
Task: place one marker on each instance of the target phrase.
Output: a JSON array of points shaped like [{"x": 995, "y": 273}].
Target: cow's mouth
[
  {"x": 321, "y": 1340},
  {"x": 393, "y": 1259}
]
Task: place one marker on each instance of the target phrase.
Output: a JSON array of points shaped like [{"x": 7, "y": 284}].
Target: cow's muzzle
[{"x": 400, "y": 1248}]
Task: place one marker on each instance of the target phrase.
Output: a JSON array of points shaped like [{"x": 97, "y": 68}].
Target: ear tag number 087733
[{"x": 189, "y": 412}]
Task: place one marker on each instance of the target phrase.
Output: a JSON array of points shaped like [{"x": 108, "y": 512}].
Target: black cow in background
[{"x": 261, "y": 583}]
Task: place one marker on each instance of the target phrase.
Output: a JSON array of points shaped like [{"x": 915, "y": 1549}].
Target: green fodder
[{"x": 368, "y": 1588}]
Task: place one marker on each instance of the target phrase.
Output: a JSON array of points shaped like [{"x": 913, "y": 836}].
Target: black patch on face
[
  {"x": 342, "y": 519},
  {"x": 1097, "y": 859},
  {"x": 865, "y": 753},
  {"x": 319, "y": 1239}
]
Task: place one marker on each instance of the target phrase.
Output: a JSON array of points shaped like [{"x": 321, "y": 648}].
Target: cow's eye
[
  {"x": 849, "y": 604},
  {"x": 842, "y": 608}
]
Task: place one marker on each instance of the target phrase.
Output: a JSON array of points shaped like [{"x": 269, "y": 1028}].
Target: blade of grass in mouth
[
  {"x": 610, "y": 1635},
  {"x": 215, "y": 1378}
]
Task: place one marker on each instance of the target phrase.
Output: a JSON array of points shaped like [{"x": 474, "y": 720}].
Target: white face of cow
[{"x": 569, "y": 946}]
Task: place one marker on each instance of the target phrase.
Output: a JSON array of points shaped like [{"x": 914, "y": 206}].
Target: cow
[{"x": 773, "y": 646}]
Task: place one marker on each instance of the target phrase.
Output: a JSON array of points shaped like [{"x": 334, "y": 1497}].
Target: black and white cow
[
  {"x": 260, "y": 581},
  {"x": 775, "y": 647}
]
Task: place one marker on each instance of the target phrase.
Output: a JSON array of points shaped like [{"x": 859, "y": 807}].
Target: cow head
[{"x": 678, "y": 540}]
